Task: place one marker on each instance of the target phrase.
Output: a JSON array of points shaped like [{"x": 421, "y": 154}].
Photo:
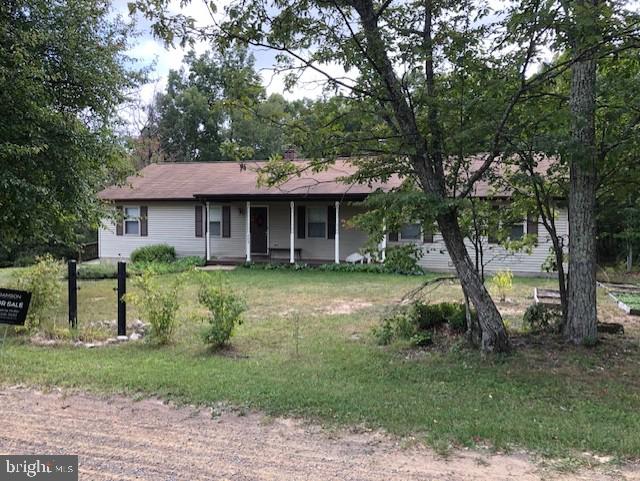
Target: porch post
[
  {"x": 383, "y": 243},
  {"x": 247, "y": 240},
  {"x": 337, "y": 237},
  {"x": 206, "y": 229},
  {"x": 292, "y": 252}
]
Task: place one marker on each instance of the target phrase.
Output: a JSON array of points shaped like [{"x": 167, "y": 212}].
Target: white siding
[
  {"x": 496, "y": 257},
  {"x": 172, "y": 223},
  {"x": 279, "y": 229}
]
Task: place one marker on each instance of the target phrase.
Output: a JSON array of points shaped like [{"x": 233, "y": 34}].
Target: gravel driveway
[{"x": 118, "y": 438}]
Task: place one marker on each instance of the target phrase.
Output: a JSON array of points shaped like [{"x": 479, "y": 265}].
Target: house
[{"x": 303, "y": 219}]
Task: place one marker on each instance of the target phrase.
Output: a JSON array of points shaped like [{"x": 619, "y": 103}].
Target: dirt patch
[
  {"x": 343, "y": 307},
  {"x": 118, "y": 438}
]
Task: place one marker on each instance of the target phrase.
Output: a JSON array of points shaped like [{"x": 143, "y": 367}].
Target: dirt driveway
[{"x": 118, "y": 438}]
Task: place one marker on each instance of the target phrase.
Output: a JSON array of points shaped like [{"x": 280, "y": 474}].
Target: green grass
[
  {"x": 547, "y": 397},
  {"x": 631, "y": 300}
]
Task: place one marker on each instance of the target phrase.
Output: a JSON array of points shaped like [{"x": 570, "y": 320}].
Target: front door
[{"x": 259, "y": 230}]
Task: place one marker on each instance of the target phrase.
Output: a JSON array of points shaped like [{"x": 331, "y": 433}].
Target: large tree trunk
[
  {"x": 581, "y": 324},
  {"x": 494, "y": 335}
]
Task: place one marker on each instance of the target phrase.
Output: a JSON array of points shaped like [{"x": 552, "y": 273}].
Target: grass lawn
[{"x": 547, "y": 397}]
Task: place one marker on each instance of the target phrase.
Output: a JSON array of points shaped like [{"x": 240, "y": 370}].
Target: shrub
[
  {"x": 158, "y": 303},
  {"x": 43, "y": 281},
  {"x": 404, "y": 259},
  {"x": 502, "y": 282},
  {"x": 417, "y": 322},
  {"x": 225, "y": 309},
  {"x": 430, "y": 316},
  {"x": 539, "y": 317},
  {"x": 154, "y": 253},
  {"x": 182, "y": 264},
  {"x": 97, "y": 271}
]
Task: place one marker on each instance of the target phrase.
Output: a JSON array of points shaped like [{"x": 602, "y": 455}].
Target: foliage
[
  {"x": 159, "y": 304},
  {"x": 630, "y": 299},
  {"x": 332, "y": 267},
  {"x": 502, "y": 282},
  {"x": 154, "y": 253},
  {"x": 43, "y": 281},
  {"x": 225, "y": 309},
  {"x": 417, "y": 322},
  {"x": 109, "y": 270},
  {"x": 63, "y": 74},
  {"x": 540, "y": 317},
  {"x": 404, "y": 259}
]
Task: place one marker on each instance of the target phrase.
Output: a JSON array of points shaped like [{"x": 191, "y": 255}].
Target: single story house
[{"x": 218, "y": 211}]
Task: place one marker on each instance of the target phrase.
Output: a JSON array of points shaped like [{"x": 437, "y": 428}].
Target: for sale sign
[{"x": 14, "y": 306}]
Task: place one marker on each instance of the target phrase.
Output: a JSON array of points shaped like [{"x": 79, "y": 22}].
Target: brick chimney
[{"x": 290, "y": 154}]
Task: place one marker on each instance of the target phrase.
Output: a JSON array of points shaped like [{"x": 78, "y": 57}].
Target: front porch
[{"x": 303, "y": 231}]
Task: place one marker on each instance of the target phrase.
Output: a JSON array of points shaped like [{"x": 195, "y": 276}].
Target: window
[
  {"x": 132, "y": 220},
  {"x": 317, "y": 222},
  {"x": 410, "y": 232},
  {"x": 516, "y": 231},
  {"x": 215, "y": 221}
]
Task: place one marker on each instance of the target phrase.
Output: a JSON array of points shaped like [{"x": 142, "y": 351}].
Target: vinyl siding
[
  {"x": 351, "y": 240},
  {"x": 496, "y": 257},
  {"x": 172, "y": 223}
]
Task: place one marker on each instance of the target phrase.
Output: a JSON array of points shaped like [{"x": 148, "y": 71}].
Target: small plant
[
  {"x": 404, "y": 259},
  {"x": 154, "y": 253},
  {"x": 225, "y": 309},
  {"x": 43, "y": 281},
  {"x": 539, "y": 317},
  {"x": 502, "y": 282},
  {"x": 159, "y": 305}
]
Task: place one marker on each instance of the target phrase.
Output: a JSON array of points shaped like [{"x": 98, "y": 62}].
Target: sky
[{"x": 148, "y": 50}]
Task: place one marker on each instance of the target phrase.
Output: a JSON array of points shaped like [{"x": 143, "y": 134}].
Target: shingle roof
[{"x": 218, "y": 180}]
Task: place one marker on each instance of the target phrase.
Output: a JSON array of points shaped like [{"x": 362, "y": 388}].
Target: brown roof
[{"x": 227, "y": 180}]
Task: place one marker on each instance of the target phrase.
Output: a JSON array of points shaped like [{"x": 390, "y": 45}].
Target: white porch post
[
  {"x": 292, "y": 252},
  {"x": 383, "y": 243},
  {"x": 206, "y": 227},
  {"x": 247, "y": 240},
  {"x": 337, "y": 237}
]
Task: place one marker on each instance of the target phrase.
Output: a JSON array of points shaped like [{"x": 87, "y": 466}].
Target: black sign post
[
  {"x": 73, "y": 294},
  {"x": 14, "y": 306},
  {"x": 122, "y": 305}
]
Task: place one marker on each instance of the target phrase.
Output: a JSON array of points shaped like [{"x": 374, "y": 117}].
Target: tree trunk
[
  {"x": 581, "y": 324},
  {"x": 494, "y": 335},
  {"x": 629, "y": 257}
]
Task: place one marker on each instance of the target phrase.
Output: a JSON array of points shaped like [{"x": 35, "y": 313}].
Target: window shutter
[
  {"x": 427, "y": 237},
  {"x": 532, "y": 225},
  {"x": 226, "y": 221},
  {"x": 198, "y": 221},
  {"x": 302, "y": 221},
  {"x": 119, "y": 220},
  {"x": 331, "y": 222},
  {"x": 393, "y": 237},
  {"x": 144, "y": 232}
]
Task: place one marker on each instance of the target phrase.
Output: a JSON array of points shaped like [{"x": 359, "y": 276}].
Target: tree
[{"x": 63, "y": 73}]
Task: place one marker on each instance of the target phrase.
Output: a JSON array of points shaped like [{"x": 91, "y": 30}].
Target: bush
[
  {"x": 417, "y": 322},
  {"x": 154, "y": 253},
  {"x": 110, "y": 270},
  {"x": 430, "y": 316},
  {"x": 342, "y": 267},
  {"x": 182, "y": 264},
  {"x": 539, "y": 317},
  {"x": 43, "y": 281},
  {"x": 97, "y": 271},
  {"x": 225, "y": 310},
  {"x": 404, "y": 259},
  {"x": 502, "y": 282},
  {"x": 158, "y": 303}
]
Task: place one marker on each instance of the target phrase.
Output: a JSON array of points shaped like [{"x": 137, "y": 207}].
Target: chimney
[{"x": 290, "y": 154}]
